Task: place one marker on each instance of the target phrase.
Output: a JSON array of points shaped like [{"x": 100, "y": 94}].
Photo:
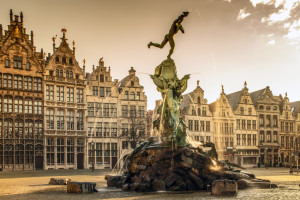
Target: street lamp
[{"x": 93, "y": 153}]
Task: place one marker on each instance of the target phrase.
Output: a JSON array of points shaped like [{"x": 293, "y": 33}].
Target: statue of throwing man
[{"x": 176, "y": 26}]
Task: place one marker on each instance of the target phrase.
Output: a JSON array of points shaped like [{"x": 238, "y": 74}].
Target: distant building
[
  {"x": 116, "y": 117},
  {"x": 65, "y": 109},
  {"x": 21, "y": 99},
  {"x": 197, "y": 116},
  {"x": 223, "y": 119},
  {"x": 245, "y": 148}
]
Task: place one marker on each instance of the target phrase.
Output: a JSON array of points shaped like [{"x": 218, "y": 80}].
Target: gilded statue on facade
[{"x": 170, "y": 125}]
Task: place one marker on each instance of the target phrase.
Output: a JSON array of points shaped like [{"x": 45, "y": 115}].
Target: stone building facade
[
  {"x": 21, "y": 99},
  {"x": 116, "y": 117},
  {"x": 102, "y": 118},
  {"x": 197, "y": 116},
  {"x": 245, "y": 140},
  {"x": 224, "y": 132},
  {"x": 65, "y": 109}
]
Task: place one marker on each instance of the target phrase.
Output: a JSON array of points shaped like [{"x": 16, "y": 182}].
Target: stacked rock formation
[{"x": 178, "y": 169}]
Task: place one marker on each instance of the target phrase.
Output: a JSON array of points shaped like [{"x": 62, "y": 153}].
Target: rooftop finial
[
  {"x": 222, "y": 88},
  {"x": 11, "y": 15},
  {"x": 53, "y": 39},
  {"x": 21, "y": 16},
  {"x": 285, "y": 94},
  {"x": 245, "y": 84},
  {"x": 64, "y": 32},
  {"x": 198, "y": 82},
  {"x": 83, "y": 66},
  {"x": 73, "y": 47}
]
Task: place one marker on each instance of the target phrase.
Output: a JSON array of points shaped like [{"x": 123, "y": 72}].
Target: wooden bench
[{"x": 294, "y": 170}]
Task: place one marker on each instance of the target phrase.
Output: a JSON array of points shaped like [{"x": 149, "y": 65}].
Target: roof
[
  {"x": 295, "y": 106},
  {"x": 234, "y": 99},
  {"x": 257, "y": 95}
]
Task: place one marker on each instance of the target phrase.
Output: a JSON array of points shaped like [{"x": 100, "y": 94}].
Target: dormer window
[
  {"x": 7, "y": 63},
  {"x": 101, "y": 78},
  {"x": 28, "y": 66},
  {"x": 57, "y": 59},
  {"x": 64, "y": 60},
  {"x": 71, "y": 61},
  {"x": 18, "y": 62}
]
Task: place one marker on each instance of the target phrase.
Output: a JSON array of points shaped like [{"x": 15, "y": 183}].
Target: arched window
[
  {"x": 70, "y": 120},
  {"x": 18, "y": 107},
  {"x": 79, "y": 117},
  {"x": 198, "y": 100},
  {"x": 60, "y": 119},
  {"x": 50, "y": 118},
  {"x": 71, "y": 74},
  {"x": 57, "y": 59},
  {"x": 57, "y": 72},
  {"x": 70, "y": 61},
  {"x": 138, "y": 95},
  {"x": 64, "y": 60},
  {"x": 67, "y": 73},
  {"x": 61, "y": 73},
  {"x": 132, "y": 96}
]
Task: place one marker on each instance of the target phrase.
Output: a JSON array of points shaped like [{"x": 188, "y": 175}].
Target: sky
[{"x": 225, "y": 41}]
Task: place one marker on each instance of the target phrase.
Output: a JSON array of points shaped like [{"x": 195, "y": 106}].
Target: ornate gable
[{"x": 15, "y": 44}]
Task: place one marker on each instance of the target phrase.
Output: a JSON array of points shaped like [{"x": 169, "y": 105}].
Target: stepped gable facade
[
  {"x": 65, "y": 109},
  {"x": 224, "y": 120},
  {"x": 102, "y": 118},
  {"x": 246, "y": 118},
  {"x": 197, "y": 116},
  {"x": 21, "y": 98}
]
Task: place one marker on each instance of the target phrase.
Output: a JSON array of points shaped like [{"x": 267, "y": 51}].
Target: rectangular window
[
  {"x": 7, "y": 80},
  {"x": 254, "y": 140},
  {"x": 70, "y": 151},
  {"x": 18, "y": 82},
  {"x": 124, "y": 111},
  {"x": 113, "y": 110},
  {"x": 98, "y": 109},
  {"x": 275, "y": 121},
  {"x": 196, "y": 124},
  {"x": 204, "y": 111},
  {"x": 28, "y": 83},
  {"x": 50, "y": 151},
  {"x": 249, "y": 111},
  {"x": 238, "y": 139},
  {"x": 28, "y": 106},
  {"x": 248, "y": 124},
  {"x": 90, "y": 109},
  {"x": 243, "y": 124},
  {"x": 38, "y": 105},
  {"x": 108, "y": 91},
  {"x": 242, "y": 111},
  {"x": 244, "y": 139},
  {"x": 7, "y": 63},
  {"x": 202, "y": 126},
  {"x": 60, "y": 151},
  {"x": 106, "y": 129},
  {"x": 113, "y": 130},
  {"x": 70, "y": 95},
  {"x": 99, "y": 129},
  {"x": 37, "y": 84},
  {"x": 124, "y": 129},
  {"x": 60, "y": 93},
  {"x": 254, "y": 124},
  {"x": 261, "y": 120},
  {"x": 191, "y": 125},
  {"x": 141, "y": 111},
  {"x": 18, "y": 62},
  {"x": 99, "y": 153},
  {"x": 249, "y": 140},
  {"x": 106, "y": 110},
  {"x": 207, "y": 126},
  {"x": 268, "y": 120},
  {"x": 124, "y": 144},
  {"x": 132, "y": 111},
  {"x": 79, "y": 92},
  {"x": 238, "y": 124},
  {"x": 101, "y": 91},
  {"x": 95, "y": 90},
  {"x": 50, "y": 92},
  {"x": 275, "y": 136}
]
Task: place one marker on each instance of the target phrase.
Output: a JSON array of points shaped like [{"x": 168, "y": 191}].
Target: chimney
[
  {"x": 83, "y": 66},
  {"x": 31, "y": 37},
  {"x": 53, "y": 39}
]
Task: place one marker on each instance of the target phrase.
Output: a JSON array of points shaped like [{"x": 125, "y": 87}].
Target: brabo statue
[
  {"x": 176, "y": 26},
  {"x": 170, "y": 125}
]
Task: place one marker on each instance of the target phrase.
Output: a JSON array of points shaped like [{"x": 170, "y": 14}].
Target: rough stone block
[
  {"x": 242, "y": 184},
  {"x": 113, "y": 181},
  {"x": 158, "y": 185},
  {"x": 59, "y": 181},
  {"x": 224, "y": 187},
  {"x": 81, "y": 187}
]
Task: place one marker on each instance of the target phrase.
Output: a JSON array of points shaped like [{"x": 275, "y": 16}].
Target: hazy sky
[{"x": 225, "y": 41}]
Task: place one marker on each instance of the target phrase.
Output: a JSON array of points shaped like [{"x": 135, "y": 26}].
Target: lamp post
[{"x": 93, "y": 153}]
